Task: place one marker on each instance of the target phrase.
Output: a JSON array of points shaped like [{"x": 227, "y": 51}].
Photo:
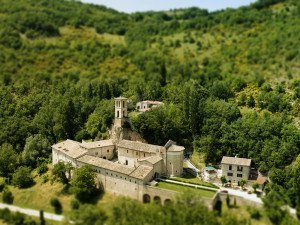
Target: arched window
[{"x": 146, "y": 198}]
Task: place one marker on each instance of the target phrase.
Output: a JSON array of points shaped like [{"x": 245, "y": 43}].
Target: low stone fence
[{"x": 239, "y": 200}]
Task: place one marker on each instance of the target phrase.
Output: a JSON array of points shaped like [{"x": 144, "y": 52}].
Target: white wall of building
[{"x": 234, "y": 174}]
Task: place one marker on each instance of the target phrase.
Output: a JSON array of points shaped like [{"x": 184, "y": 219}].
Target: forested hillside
[{"x": 230, "y": 80}]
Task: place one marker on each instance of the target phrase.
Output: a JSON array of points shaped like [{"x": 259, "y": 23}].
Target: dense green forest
[{"x": 230, "y": 81}]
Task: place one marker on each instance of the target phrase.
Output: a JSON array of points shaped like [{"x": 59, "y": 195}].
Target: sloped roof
[
  {"x": 120, "y": 98},
  {"x": 140, "y": 172},
  {"x": 97, "y": 144},
  {"x": 106, "y": 164},
  {"x": 261, "y": 180},
  {"x": 70, "y": 148},
  {"x": 153, "y": 159},
  {"x": 151, "y": 102},
  {"x": 175, "y": 148},
  {"x": 139, "y": 146},
  {"x": 236, "y": 161}
]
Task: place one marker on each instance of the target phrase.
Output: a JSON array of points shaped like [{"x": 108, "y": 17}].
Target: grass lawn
[
  {"x": 180, "y": 188},
  {"x": 188, "y": 178},
  {"x": 2, "y": 223},
  {"x": 39, "y": 196}
]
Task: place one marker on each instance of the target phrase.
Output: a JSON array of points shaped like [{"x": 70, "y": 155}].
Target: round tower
[{"x": 174, "y": 159}]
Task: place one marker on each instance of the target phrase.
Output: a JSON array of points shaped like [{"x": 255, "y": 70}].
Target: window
[
  {"x": 144, "y": 154},
  {"x": 229, "y": 174},
  {"x": 96, "y": 153},
  {"x": 123, "y": 104},
  {"x": 239, "y": 175},
  {"x": 127, "y": 151},
  {"x": 126, "y": 162},
  {"x": 137, "y": 153},
  {"x": 107, "y": 150},
  {"x": 230, "y": 167},
  {"x": 240, "y": 168}
]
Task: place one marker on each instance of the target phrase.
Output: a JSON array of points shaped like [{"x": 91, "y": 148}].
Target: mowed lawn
[
  {"x": 180, "y": 188},
  {"x": 188, "y": 178}
]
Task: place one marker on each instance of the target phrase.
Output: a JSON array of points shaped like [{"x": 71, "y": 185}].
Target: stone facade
[
  {"x": 147, "y": 105},
  {"x": 235, "y": 169},
  {"x": 123, "y": 167}
]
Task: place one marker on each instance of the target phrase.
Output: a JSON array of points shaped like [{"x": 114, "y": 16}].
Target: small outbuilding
[{"x": 147, "y": 105}]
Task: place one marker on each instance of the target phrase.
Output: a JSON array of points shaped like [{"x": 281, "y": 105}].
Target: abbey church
[{"x": 123, "y": 167}]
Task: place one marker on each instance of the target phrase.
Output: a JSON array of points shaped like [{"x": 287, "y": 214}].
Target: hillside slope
[{"x": 229, "y": 81}]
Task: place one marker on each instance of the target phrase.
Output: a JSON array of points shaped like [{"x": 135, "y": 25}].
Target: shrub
[
  {"x": 22, "y": 177},
  {"x": 45, "y": 178},
  {"x": 75, "y": 204},
  {"x": 55, "y": 203},
  {"x": 254, "y": 213},
  {"x": 7, "y": 196},
  {"x": 2, "y": 184},
  {"x": 42, "y": 168}
]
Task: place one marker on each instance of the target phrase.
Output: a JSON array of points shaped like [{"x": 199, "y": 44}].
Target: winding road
[{"x": 32, "y": 212}]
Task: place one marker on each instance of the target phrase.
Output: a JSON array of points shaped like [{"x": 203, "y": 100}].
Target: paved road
[
  {"x": 253, "y": 198},
  {"x": 191, "y": 165},
  {"x": 32, "y": 212},
  {"x": 244, "y": 194}
]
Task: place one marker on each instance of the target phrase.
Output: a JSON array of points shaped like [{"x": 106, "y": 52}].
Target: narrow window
[
  {"x": 126, "y": 162},
  {"x": 144, "y": 154},
  {"x": 107, "y": 150},
  {"x": 230, "y": 167}
]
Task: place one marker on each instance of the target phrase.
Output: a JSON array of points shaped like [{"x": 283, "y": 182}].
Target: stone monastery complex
[{"x": 124, "y": 167}]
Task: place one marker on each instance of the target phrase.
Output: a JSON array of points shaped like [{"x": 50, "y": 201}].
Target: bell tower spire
[{"x": 121, "y": 113}]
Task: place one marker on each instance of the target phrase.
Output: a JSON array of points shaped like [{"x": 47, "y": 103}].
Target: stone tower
[{"x": 120, "y": 111}]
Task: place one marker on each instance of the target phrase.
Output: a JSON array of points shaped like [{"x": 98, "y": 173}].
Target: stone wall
[
  {"x": 240, "y": 201},
  {"x": 106, "y": 152},
  {"x": 131, "y": 156},
  {"x": 60, "y": 156}
]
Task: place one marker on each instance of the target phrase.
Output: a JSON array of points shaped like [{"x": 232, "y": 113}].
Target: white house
[{"x": 235, "y": 169}]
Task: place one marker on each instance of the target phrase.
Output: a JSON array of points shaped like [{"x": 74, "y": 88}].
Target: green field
[
  {"x": 193, "y": 180},
  {"x": 180, "y": 188}
]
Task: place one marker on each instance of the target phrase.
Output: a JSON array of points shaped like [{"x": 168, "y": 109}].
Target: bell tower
[{"x": 120, "y": 110}]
